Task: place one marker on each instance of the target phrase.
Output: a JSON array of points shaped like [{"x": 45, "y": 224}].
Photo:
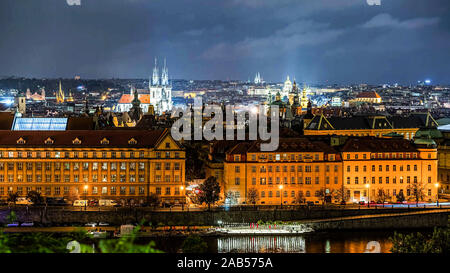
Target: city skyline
[{"x": 323, "y": 42}]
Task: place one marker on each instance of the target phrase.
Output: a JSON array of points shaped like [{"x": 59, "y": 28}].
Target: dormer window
[
  {"x": 76, "y": 141},
  {"x": 49, "y": 141},
  {"x": 104, "y": 141},
  {"x": 132, "y": 141},
  {"x": 21, "y": 141}
]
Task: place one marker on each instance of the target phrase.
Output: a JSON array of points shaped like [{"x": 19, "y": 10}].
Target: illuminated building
[
  {"x": 60, "y": 94},
  {"x": 298, "y": 169},
  {"x": 160, "y": 90},
  {"x": 70, "y": 97},
  {"x": 287, "y": 87},
  {"x": 304, "y": 100},
  {"x": 314, "y": 171},
  {"x": 444, "y": 159},
  {"x": 258, "y": 79},
  {"x": 368, "y": 96},
  {"x": 125, "y": 101},
  {"x": 35, "y": 96},
  {"x": 378, "y": 126},
  {"x": 113, "y": 164},
  {"x": 382, "y": 169}
]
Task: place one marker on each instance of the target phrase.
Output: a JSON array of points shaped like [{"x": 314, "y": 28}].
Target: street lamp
[
  {"x": 85, "y": 196},
  {"x": 182, "y": 203},
  {"x": 437, "y": 194},
  {"x": 368, "y": 195},
  {"x": 281, "y": 194}
]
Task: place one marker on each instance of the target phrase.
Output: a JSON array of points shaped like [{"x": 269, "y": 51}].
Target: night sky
[{"x": 315, "y": 41}]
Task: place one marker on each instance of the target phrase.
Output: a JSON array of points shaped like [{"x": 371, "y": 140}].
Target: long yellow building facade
[
  {"x": 121, "y": 165},
  {"x": 303, "y": 170}
]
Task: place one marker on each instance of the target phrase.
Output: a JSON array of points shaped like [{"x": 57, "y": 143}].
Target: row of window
[
  {"x": 85, "y": 178},
  {"x": 384, "y": 155},
  {"x": 81, "y": 154},
  {"x": 293, "y": 180},
  {"x": 48, "y": 191},
  {"x": 284, "y": 157},
  {"x": 387, "y": 193},
  {"x": 307, "y": 169},
  {"x": 386, "y": 180},
  {"x": 85, "y": 166}
]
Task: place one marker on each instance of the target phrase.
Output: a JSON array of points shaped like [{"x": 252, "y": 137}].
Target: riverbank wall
[{"x": 119, "y": 216}]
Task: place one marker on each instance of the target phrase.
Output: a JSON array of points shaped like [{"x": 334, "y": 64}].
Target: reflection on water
[
  {"x": 261, "y": 244},
  {"x": 325, "y": 243},
  {"x": 322, "y": 242}
]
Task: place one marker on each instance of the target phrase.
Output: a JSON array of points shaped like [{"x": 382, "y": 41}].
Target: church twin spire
[{"x": 164, "y": 79}]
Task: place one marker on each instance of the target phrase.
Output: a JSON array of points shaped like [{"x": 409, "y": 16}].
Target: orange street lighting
[
  {"x": 368, "y": 194},
  {"x": 281, "y": 194}
]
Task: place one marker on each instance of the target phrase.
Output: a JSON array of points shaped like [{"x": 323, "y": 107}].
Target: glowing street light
[
  {"x": 85, "y": 196},
  {"x": 368, "y": 194},
  {"x": 281, "y": 194},
  {"x": 437, "y": 194}
]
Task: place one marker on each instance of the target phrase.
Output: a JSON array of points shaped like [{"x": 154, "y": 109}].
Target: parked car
[
  {"x": 93, "y": 203},
  {"x": 23, "y": 201},
  {"x": 13, "y": 224},
  {"x": 27, "y": 224},
  {"x": 80, "y": 203},
  {"x": 107, "y": 203},
  {"x": 90, "y": 224},
  {"x": 52, "y": 201},
  {"x": 362, "y": 202},
  {"x": 103, "y": 224}
]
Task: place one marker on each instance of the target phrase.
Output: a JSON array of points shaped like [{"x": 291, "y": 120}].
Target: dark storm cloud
[{"x": 313, "y": 40}]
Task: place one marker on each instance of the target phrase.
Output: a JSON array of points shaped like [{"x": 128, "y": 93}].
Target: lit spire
[{"x": 156, "y": 73}]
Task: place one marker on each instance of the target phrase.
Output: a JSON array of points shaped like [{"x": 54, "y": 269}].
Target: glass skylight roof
[{"x": 39, "y": 124}]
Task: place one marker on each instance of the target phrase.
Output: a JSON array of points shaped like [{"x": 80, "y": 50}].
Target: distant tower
[
  {"x": 43, "y": 94},
  {"x": 70, "y": 97},
  {"x": 28, "y": 94},
  {"x": 258, "y": 79},
  {"x": 293, "y": 93},
  {"x": 304, "y": 100},
  {"x": 155, "y": 79},
  {"x": 60, "y": 94},
  {"x": 21, "y": 104}
]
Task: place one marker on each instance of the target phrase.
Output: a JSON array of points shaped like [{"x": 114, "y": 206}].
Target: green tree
[
  {"x": 126, "y": 244},
  {"x": 252, "y": 196},
  {"x": 12, "y": 217},
  {"x": 300, "y": 198},
  {"x": 194, "y": 244},
  {"x": 35, "y": 197},
  {"x": 154, "y": 199},
  {"x": 33, "y": 243},
  {"x": 417, "y": 190},
  {"x": 400, "y": 197},
  {"x": 438, "y": 242},
  {"x": 341, "y": 194},
  {"x": 209, "y": 191},
  {"x": 382, "y": 196}
]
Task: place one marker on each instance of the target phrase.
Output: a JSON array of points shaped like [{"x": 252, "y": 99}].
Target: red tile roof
[
  {"x": 88, "y": 138},
  {"x": 127, "y": 98},
  {"x": 368, "y": 94}
]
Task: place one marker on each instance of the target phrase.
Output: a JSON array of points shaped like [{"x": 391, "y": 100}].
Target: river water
[{"x": 324, "y": 242}]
